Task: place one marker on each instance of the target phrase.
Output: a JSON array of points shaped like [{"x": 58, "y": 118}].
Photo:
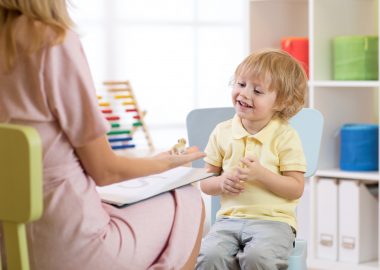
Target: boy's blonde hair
[
  {"x": 44, "y": 15},
  {"x": 279, "y": 72}
]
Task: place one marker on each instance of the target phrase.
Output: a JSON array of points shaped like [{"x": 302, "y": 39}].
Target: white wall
[{"x": 177, "y": 54}]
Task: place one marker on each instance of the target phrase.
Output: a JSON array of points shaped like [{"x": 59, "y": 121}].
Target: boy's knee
[
  {"x": 209, "y": 255},
  {"x": 255, "y": 258},
  {"x": 210, "y": 258}
]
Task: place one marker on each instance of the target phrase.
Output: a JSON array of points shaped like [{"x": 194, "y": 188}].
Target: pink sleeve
[{"x": 71, "y": 93}]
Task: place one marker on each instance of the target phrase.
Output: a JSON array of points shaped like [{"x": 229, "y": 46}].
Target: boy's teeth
[{"x": 244, "y": 104}]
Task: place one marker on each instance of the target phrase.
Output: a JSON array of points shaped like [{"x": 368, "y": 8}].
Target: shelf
[
  {"x": 372, "y": 176},
  {"x": 330, "y": 265},
  {"x": 331, "y": 83},
  {"x": 281, "y": 1},
  {"x": 339, "y": 101}
]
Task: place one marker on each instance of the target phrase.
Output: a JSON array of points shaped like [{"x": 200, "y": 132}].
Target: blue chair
[{"x": 309, "y": 125}]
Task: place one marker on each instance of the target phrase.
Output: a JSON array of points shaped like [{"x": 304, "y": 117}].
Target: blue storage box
[{"x": 359, "y": 147}]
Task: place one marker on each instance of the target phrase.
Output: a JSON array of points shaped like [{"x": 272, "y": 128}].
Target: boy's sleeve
[
  {"x": 212, "y": 150},
  {"x": 290, "y": 151}
]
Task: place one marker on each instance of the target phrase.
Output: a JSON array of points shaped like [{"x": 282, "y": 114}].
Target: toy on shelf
[
  {"x": 355, "y": 58},
  {"x": 179, "y": 148},
  {"x": 298, "y": 47},
  {"x": 120, "y": 107}
]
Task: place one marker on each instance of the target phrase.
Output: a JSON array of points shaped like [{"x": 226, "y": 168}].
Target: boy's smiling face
[{"x": 253, "y": 103}]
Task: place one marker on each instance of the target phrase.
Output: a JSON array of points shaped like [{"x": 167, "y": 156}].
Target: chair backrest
[
  {"x": 20, "y": 189},
  {"x": 308, "y": 123}
]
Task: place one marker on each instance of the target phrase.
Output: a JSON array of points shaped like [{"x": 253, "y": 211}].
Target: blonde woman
[{"x": 46, "y": 84}]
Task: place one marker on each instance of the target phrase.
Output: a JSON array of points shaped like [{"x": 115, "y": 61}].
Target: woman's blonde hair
[
  {"x": 47, "y": 14},
  {"x": 279, "y": 72}
]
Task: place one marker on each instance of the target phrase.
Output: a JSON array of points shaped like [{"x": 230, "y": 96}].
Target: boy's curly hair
[{"x": 279, "y": 72}]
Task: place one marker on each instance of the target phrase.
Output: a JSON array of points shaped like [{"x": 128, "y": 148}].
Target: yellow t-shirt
[{"x": 278, "y": 148}]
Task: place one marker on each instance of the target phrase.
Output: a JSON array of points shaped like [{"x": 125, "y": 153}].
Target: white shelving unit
[{"x": 339, "y": 101}]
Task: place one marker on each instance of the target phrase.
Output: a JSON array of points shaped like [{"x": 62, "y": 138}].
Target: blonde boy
[{"x": 260, "y": 162}]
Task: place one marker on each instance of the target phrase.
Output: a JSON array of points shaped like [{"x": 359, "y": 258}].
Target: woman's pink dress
[{"x": 52, "y": 90}]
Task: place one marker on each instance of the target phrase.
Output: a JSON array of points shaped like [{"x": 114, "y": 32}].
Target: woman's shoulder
[{"x": 30, "y": 32}]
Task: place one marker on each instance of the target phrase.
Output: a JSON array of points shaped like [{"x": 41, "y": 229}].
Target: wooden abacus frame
[{"x": 125, "y": 86}]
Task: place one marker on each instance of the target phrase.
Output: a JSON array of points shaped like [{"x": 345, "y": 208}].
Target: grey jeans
[{"x": 234, "y": 243}]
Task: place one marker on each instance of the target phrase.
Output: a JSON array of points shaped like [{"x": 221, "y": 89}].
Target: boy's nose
[{"x": 247, "y": 92}]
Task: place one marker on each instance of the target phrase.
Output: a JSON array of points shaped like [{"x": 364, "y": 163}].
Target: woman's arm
[{"x": 105, "y": 167}]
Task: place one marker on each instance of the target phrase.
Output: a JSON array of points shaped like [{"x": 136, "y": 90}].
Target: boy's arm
[
  {"x": 289, "y": 185},
  {"x": 211, "y": 185}
]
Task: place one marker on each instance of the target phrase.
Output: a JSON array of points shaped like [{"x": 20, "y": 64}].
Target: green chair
[
  {"x": 309, "y": 125},
  {"x": 20, "y": 189}
]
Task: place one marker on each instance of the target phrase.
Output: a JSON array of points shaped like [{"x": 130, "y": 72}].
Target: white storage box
[
  {"x": 358, "y": 222},
  {"x": 327, "y": 219}
]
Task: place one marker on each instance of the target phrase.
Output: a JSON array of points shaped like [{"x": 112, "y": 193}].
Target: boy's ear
[{"x": 278, "y": 107}]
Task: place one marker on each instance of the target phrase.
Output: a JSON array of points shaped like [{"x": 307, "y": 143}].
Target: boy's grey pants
[{"x": 234, "y": 243}]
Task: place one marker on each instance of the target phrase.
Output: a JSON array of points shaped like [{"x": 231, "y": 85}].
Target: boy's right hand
[{"x": 230, "y": 184}]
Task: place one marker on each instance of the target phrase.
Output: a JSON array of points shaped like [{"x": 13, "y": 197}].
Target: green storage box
[{"x": 356, "y": 58}]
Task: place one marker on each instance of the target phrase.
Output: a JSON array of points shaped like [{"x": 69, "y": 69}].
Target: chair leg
[
  {"x": 16, "y": 247},
  {"x": 2, "y": 249},
  {"x": 297, "y": 260}
]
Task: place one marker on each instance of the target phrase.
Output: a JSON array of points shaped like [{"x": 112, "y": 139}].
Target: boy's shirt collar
[{"x": 239, "y": 132}]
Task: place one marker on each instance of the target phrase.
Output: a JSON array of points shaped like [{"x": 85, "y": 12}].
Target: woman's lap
[{"x": 159, "y": 233}]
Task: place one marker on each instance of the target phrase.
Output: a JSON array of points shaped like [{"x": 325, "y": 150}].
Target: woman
[{"x": 46, "y": 84}]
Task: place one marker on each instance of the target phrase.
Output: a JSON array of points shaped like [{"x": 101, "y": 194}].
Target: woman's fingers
[
  {"x": 191, "y": 149},
  {"x": 185, "y": 158}
]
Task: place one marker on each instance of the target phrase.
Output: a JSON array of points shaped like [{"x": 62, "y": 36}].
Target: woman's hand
[
  {"x": 105, "y": 167},
  {"x": 172, "y": 161}
]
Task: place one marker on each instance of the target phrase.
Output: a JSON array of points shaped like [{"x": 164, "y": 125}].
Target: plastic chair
[
  {"x": 20, "y": 189},
  {"x": 308, "y": 123}
]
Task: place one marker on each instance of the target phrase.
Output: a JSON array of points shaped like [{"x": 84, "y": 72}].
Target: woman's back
[{"x": 52, "y": 90}]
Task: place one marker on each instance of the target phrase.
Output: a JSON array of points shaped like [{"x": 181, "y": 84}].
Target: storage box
[
  {"x": 355, "y": 58},
  {"x": 358, "y": 222},
  {"x": 327, "y": 219},
  {"x": 359, "y": 147},
  {"x": 298, "y": 47}
]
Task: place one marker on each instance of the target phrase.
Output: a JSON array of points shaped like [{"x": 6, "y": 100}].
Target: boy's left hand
[{"x": 251, "y": 170}]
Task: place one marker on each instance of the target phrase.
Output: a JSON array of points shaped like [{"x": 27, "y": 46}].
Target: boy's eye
[
  {"x": 257, "y": 91},
  {"x": 241, "y": 84}
]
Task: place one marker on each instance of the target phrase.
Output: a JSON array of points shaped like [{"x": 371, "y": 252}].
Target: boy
[{"x": 260, "y": 162}]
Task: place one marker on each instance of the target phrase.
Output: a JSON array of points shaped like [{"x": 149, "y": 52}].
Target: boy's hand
[
  {"x": 251, "y": 170},
  {"x": 230, "y": 184}
]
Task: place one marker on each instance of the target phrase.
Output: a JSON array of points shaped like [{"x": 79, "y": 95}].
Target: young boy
[{"x": 260, "y": 164}]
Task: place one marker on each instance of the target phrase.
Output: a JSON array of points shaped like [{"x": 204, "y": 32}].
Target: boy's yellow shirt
[{"x": 278, "y": 148}]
